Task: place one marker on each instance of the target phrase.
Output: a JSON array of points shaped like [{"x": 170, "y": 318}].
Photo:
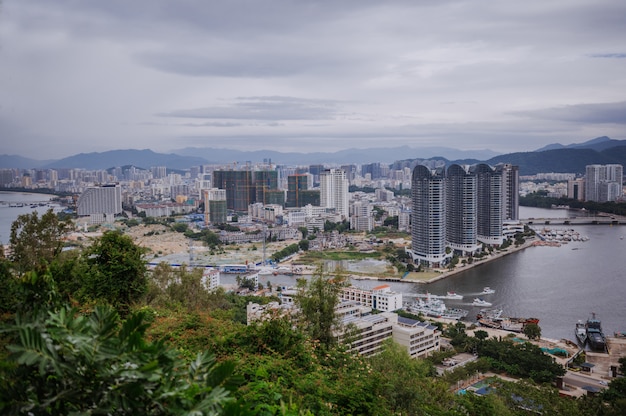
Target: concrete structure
[
  {"x": 510, "y": 191},
  {"x": 461, "y": 209},
  {"x": 295, "y": 185},
  {"x": 215, "y": 211},
  {"x": 101, "y": 203},
  {"x": 210, "y": 278},
  {"x": 380, "y": 298},
  {"x": 576, "y": 189},
  {"x": 419, "y": 338},
  {"x": 366, "y": 334},
  {"x": 239, "y": 187},
  {"x": 164, "y": 209},
  {"x": 428, "y": 230},
  {"x": 489, "y": 203},
  {"x": 334, "y": 191},
  {"x": 603, "y": 183},
  {"x": 361, "y": 217}
]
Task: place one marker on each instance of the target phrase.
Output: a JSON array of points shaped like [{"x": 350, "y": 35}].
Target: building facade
[
  {"x": 215, "y": 211},
  {"x": 489, "y": 204},
  {"x": 334, "y": 191},
  {"x": 461, "y": 206},
  {"x": 603, "y": 183},
  {"x": 105, "y": 199},
  {"x": 510, "y": 191},
  {"x": 428, "y": 229}
]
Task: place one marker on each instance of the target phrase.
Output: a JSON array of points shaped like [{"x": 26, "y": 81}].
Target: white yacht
[{"x": 480, "y": 302}]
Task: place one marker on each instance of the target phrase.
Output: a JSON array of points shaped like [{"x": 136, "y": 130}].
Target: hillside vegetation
[{"x": 95, "y": 332}]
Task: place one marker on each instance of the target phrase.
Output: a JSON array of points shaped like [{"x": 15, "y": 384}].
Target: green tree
[
  {"x": 532, "y": 331},
  {"x": 179, "y": 227},
  {"x": 481, "y": 334},
  {"x": 317, "y": 299},
  {"x": 36, "y": 242},
  {"x": 67, "y": 363},
  {"x": 178, "y": 287},
  {"x": 406, "y": 384},
  {"x": 116, "y": 271},
  {"x": 304, "y": 245},
  {"x": 8, "y": 285}
]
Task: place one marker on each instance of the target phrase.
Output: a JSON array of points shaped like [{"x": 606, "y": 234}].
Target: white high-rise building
[
  {"x": 334, "y": 191},
  {"x": 100, "y": 203},
  {"x": 603, "y": 183}
]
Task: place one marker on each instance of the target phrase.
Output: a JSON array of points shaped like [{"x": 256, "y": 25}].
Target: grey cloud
[
  {"x": 264, "y": 108},
  {"x": 600, "y": 113},
  {"x": 608, "y": 55}
]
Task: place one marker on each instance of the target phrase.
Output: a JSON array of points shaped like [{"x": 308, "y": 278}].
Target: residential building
[
  {"x": 603, "y": 183},
  {"x": 361, "y": 216},
  {"x": 239, "y": 187},
  {"x": 510, "y": 191},
  {"x": 366, "y": 334},
  {"x": 380, "y": 297},
  {"x": 334, "y": 191},
  {"x": 489, "y": 204},
  {"x": 215, "y": 211},
  {"x": 295, "y": 185},
  {"x": 576, "y": 189},
  {"x": 428, "y": 229},
  {"x": 461, "y": 209},
  {"x": 419, "y": 338}
]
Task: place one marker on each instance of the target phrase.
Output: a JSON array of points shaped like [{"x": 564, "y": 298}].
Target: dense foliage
[{"x": 140, "y": 341}]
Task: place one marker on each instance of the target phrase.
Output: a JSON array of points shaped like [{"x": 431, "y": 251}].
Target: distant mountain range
[{"x": 552, "y": 158}]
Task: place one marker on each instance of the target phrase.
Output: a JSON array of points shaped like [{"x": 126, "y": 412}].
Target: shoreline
[{"x": 531, "y": 242}]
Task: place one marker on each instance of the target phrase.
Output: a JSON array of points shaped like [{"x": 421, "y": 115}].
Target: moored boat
[
  {"x": 595, "y": 337},
  {"x": 581, "y": 332},
  {"x": 436, "y": 308}
]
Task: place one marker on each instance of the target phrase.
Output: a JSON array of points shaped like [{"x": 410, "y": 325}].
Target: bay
[
  {"x": 8, "y": 213},
  {"x": 558, "y": 285}
]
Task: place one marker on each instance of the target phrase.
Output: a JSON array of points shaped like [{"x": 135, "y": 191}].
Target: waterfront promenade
[{"x": 438, "y": 274}]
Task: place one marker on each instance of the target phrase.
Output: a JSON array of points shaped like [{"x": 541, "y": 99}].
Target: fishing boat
[
  {"x": 581, "y": 332},
  {"x": 492, "y": 313},
  {"x": 487, "y": 291}
]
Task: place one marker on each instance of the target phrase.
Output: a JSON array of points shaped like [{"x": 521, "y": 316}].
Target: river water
[{"x": 558, "y": 285}]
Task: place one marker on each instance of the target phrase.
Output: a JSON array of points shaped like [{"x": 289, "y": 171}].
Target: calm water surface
[
  {"x": 558, "y": 285},
  {"x": 9, "y": 214}
]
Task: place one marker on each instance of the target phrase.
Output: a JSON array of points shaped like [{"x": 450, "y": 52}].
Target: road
[{"x": 581, "y": 380}]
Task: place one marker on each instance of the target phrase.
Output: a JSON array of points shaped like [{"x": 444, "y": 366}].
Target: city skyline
[{"x": 320, "y": 76}]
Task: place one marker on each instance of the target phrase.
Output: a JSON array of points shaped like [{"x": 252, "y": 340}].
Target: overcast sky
[{"x": 90, "y": 76}]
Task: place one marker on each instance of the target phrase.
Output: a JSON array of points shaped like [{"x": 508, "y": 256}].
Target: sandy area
[{"x": 162, "y": 241}]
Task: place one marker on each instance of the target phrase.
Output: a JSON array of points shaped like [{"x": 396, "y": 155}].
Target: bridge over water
[{"x": 596, "y": 220}]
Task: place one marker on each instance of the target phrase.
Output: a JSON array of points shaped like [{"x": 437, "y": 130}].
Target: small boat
[
  {"x": 487, "y": 291},
  {"x": 493, "y": 314},
  {"x": 480, "y": 302},
  {"x": 581, "y": 332},
  {"x": 453, "y": 295}
]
